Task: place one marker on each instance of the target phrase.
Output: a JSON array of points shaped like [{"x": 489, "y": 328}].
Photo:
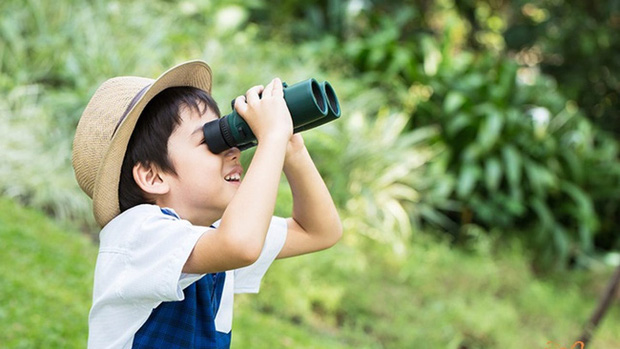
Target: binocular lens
[
  {"x": 332, "y": 100},
  {"x": 310, "y": 104},
  {"x": 318, "y": 96},
  {"x": 305, "y": 101},
  {"x": 333, "y": 110}
]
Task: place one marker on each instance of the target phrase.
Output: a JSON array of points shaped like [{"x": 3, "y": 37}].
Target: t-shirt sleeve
[
  {"x": 247, "y": 279},
  {"x": 158, "y": 251}
]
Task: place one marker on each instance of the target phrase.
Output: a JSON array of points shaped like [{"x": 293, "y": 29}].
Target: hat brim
[{"x": 105, "y": 195}]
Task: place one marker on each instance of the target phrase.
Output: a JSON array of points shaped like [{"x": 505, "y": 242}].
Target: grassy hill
[
  {"x": 437, "y": 297},
  {"x": 45, "y": 281}
]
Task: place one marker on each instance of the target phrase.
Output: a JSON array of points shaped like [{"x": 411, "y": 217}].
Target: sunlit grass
[
  {"x": 45, "y": 281},
  {"x": 434, "y": 297}
]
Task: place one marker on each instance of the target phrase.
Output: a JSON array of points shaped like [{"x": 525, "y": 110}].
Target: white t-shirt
[{"x": 141, "y": 256}]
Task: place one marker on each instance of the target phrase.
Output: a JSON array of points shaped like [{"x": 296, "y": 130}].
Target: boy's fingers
[
  {"x": 278, "y": 89},
  {"x": 240, "y": 104},
  {"x": 252, "y": 94},
  {"x": 268, "y": 89}
]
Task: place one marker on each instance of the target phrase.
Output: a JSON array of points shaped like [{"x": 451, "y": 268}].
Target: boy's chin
[{"x": 235, "y": 184}]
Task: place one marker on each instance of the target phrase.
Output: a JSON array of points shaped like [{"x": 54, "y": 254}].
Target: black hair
[{"x": 148, "y": 144}]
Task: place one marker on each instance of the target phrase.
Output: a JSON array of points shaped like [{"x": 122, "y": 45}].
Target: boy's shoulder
[
  {"x": 135, "y": 214},
  {"x": 143, "y": 221}
]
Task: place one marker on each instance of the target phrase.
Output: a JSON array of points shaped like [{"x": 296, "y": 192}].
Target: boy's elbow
[
  {"x": 335, "y": 234},
  {"x": 338, "y": 233},
  {"x": 245, "y": 253},
  {"x": 249, "y": 256}
]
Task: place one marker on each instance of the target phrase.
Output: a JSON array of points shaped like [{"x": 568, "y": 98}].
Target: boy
[{"x": 167, "y": 268}]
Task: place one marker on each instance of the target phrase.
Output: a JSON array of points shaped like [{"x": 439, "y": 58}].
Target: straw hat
[{"x": 107, "y": 124}]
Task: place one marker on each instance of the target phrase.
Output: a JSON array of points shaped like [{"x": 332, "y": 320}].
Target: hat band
[{"x": 129, "y": 107}]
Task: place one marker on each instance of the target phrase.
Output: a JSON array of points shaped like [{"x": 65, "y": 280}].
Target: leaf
[
  {"x": 561, "y": 240},
  {"x": 453, "y": 102},
  {"x": 573, "y": 163},
  {"x": 472, "y": 81},
  {"x": 432, "y": 56},
  {"x": 512, "y": 162},
  {"x": 543, "y": 212},
  {"x": 584, "y": 203},
  {"x": 401, "y": 60},
  {"x": 471, "y": 153},
  {"x": 490, "y": 130},
  {"x": 457, "y": 123},
  {"x": 436, "y": 217},
  {"x": 540, "y": 178},
  {"x": 534, "y": 180},
  {"x": 492, "y": 173},
  {"x": 585, "y": 238},
  {"x": 505, "y": 85},
  {"x": 514, "y": 204},
  {"x": 468, "y": 177}
]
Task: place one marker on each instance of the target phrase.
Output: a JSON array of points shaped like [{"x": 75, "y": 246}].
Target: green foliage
[
  {"x": 36, "y": 166},
  {"x": 46, "y": 281},
  {"x": 574, "y": 42},
  {"x": 517, "y": 148},
  {"x": 518, "y": 153},
  {"x": 375, "y": 170}
]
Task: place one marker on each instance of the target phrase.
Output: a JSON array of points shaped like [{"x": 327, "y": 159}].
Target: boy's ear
[{"x": 150, "y": 179}]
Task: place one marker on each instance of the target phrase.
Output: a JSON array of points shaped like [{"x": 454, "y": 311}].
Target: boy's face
[{"x": 205, "y": 183}]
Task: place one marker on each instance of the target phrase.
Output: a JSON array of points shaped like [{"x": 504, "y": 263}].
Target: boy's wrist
[
  {"x": 274, "y": 143},
  {"x": 295, "y": 158},
  {"x": 295, "y": 146}
]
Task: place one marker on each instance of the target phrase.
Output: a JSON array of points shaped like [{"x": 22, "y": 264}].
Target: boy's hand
[{"x": 266, "y": 114}]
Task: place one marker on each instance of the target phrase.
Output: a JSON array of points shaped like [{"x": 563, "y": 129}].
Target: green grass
[
  {"x": 433, "y": 296},
  {"x": 45, "y": 281},
  {"x": 356, "y": 295}
]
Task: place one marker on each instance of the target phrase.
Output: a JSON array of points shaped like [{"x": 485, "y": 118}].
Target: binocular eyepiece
[{"x": 310, "y": 103}]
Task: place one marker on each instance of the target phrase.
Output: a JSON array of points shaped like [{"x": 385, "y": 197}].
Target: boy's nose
[{"x": 232, "y": 153}]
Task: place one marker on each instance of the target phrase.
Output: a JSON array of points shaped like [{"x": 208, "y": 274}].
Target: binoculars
[{"x": 310, "y": 103}]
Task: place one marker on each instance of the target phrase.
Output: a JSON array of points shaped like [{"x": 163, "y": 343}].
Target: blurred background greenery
[{"x": 475, "y": 167}]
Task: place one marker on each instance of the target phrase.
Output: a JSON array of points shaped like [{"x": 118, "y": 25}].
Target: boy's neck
[{"x": 202, "y": 219}]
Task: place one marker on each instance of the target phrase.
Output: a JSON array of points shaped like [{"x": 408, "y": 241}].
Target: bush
[
  {"x": 519, "y": 156},
  {"x": 376, "y": 172}
]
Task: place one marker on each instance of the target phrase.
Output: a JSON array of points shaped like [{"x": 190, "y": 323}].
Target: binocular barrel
[{"x": 310, "y": 104}]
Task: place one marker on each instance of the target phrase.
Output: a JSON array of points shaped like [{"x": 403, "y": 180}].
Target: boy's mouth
[
  {"x": 233, "y": 178},
  {"x": 234, "y": 175}
]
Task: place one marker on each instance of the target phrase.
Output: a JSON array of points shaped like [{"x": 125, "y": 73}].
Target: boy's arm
[
  {"x": 315, "y": 224},
  {"x": 239, "y": 239}
]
